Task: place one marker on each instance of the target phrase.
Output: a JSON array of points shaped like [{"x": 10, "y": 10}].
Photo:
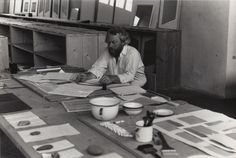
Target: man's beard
[{"x": 115, "y": 52}]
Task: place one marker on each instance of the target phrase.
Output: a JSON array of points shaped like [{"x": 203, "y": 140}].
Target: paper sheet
[
  {"x": 75, "y": 90},
  {"x": 70, "y": 153},
  {"x": 201, "y": 129},
  {"x": 47, "y": 132},
  {"x": 16, "y": 119},
  {"x": 32, "y": 78},
  {"x": 94, "y": 82},
  {"x": 57, "y": 146},
  {"x": 128, "y": 90},
  {"x": 57, "y": 76},
  {"x": 77, "y": 105}
]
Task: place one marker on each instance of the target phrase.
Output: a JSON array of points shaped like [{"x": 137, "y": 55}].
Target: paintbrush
[{"x": 166, "y": 149}]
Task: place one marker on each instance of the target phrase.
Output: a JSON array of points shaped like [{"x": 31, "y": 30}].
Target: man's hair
[{"x": 124, "y": 36}]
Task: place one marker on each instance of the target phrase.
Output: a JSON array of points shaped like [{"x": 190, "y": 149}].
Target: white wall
[
  {"x": 231, "y": 56},
  {"x": 204, "y": 25},
  {"x": 2, "y": 4}
]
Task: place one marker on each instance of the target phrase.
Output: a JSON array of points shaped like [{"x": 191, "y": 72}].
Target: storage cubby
[
  {"x": 52, "y": 47},
  {"x": 21, "y": 57},
  {"x": 22, "y": 38}
]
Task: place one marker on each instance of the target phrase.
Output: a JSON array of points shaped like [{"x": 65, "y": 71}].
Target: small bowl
[{"x": 133, "y": 108}]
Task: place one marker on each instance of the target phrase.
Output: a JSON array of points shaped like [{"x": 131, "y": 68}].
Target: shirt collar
[{"x": 124, "y": 50}]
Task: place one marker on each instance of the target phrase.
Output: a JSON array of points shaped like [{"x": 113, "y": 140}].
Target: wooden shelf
[
  {"x": 56, "y": 55},
  {"x": 25, "y": 47}
]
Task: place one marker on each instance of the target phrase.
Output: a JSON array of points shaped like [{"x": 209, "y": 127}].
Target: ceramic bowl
[
  {"x": 133, "y": 108},
  {"x": 104, "y": 108}
]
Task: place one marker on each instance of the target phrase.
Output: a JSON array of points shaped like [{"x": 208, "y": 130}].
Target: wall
[
  {"x": 204, "y": 25},
  {"x": 231, "y": 57},
  {"x": 2, "y": 4}
]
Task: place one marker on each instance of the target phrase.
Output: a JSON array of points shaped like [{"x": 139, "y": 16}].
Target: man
[{"x": 120, "y": 63}]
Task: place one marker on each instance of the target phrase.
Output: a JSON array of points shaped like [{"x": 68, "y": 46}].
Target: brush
[
  {"x": 166, "y": 149},
  {"x": 148, "y": 149}
]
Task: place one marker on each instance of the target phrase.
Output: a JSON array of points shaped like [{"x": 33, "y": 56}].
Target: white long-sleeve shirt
[{"x": 129, "y": 67}]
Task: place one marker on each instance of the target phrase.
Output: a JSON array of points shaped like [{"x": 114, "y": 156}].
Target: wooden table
[{"x": 53, "y": 113}]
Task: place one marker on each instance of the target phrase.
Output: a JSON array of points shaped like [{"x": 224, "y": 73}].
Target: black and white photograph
[{"x": 117, "y": 79}]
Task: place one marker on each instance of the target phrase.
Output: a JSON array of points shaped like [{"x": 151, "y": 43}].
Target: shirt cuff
[{"x": 124, "y": 78}]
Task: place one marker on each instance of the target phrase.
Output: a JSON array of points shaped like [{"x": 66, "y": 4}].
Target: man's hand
[
  {"x": 108, "y": 79},
  {"x": 81, "y": 77}
]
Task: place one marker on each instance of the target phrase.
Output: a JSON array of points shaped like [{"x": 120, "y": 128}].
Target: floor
[
  {"x": 225, "y": 106},
  {"x": 206, "y": 101}
]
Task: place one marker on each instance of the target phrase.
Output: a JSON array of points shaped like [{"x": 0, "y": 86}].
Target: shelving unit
[
  {"x": 80, "y": 44},
  {"x": 52, "y": 47},
  {"x": 41, "y": 44}
]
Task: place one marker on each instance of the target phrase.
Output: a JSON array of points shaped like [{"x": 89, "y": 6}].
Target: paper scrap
[
  {"x": 57, "y": 146},
  {"x": 48, "y": 132},
  {"x": 17, "y": 119}
]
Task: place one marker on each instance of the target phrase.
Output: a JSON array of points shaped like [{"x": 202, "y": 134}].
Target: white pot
[{"x": 105, "y": 108}]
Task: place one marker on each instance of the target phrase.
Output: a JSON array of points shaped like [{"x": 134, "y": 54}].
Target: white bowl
[
  {"x": 104, "y": 108},
  {"x": 133, "y": 108}
]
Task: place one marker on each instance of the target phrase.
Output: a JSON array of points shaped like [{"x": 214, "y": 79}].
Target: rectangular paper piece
[
  {"x": 211, "y": 132},
  {"x": 55, "y": 146},
  {"x": 57, "y": 76},
  {"x": 48, "y": 132},
  {"x": 74, "y": 90},
  {"x": 70, "y": 153},
  {"x": 24, "y": 120},
  {"x": 128, "y": 90},
  {"x": 77, "y": 105}
]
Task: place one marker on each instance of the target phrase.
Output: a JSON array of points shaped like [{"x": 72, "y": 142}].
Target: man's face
[{"x": 115, "y": 45}]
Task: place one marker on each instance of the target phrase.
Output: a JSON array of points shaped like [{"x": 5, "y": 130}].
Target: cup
[{"x": 143, "y": 134}]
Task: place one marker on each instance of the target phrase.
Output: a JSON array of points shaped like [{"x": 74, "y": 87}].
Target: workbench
[{"x": 53, "y": 113}]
